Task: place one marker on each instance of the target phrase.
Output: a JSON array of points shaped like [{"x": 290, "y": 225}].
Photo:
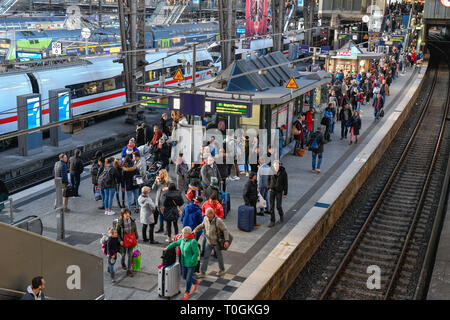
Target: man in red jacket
[{"x": 213, "y": 202}]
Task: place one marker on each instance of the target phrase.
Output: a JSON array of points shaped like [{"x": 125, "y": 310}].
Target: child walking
[{"x": 112, "y": 247}]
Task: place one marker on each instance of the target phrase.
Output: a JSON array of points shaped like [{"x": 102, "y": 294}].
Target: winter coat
[
  {"x": 193, "y": 173},
  {"x": 147, "y": 209},
  {"x": 75, "y": 165},
  {"x": 298, "y": 124},
  {"x": 121, "y": 232},
  {"x": 279, "y": 181},
  {"x": 345, "y": 115},
  {"x": 140, "y": 136},
  {"x": 128, "y": 174},
  {"x": 191, "y": 216},
  {"x": 192, "y": 193},
  {"x": 170, "y": 201},
  {"x": 207, "y": 172},
  {"x": 250, "y": 194},
  {"x": 320, "y": 141},
  {"x": 141, "y": 166},
  {"x": 60, "y": 171},
  {"x": 161, "y": 154},
  {"x": 218, "y": 209},
  {"x": 375, "y": 101},
  {"x": 112, "y": 246},
  {"x": 188, "y": 249},
  {"x": 309, "y": 120},
  {"x": 211, "y": 229},
  {"x": 159, "y": 193},
  {"x": 356, "y": 125},
  {"x": 263, "y": 176},
  {"x": 31, "y": 296},
  {"x": 130, "y": 150}
]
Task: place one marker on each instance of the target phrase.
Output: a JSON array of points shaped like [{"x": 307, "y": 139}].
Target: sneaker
[
  {"x": 314, "y": 171},
  {"x": 195, "y": 285},
  {"x": 186, "y": 296},
  {"x": 237, "y": 178},
  {"x": 106, "y": 213},
  {"x": 111, "y": 213},
  {"x": 220, "y": 273},
  {"x": 130, "y": 273},
  {"x": 318, "y": 170},
  {"x": 200, "y": 275}
]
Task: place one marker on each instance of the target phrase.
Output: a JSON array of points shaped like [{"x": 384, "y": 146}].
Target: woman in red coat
[{"x": 310, "y": 120}]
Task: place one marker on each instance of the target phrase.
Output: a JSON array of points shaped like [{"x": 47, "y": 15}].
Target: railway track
[{"x": 394, "y": 233}]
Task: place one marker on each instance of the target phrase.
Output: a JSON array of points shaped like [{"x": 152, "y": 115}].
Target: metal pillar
[
  {"x": 60, "y": 214},
  {"x": 132, "y": 33},
  {"x": 227, "y": 24},
  {"x": 308, "y": 14},
  {"x": 277, "y": 24}
]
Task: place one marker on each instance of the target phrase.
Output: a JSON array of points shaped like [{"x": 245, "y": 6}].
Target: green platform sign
[
  {"x": 149, "y": 101},
  {"x": 233, "y": 109}
]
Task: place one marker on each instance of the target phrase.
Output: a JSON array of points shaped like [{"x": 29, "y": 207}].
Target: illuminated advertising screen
[
  {"x": 256, "y": 17},
  {"x": 231, "y": 108},
  {"x": 63, "y": 106},
  {"x": 149, "y": 101},
  {"x": 33, "y": 112}
]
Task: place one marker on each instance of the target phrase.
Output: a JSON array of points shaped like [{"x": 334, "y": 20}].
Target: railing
[
  {"x": 5, "y": 5},
  {"x": 156, "y": 11},
  {"x": 8, "y": 203}
]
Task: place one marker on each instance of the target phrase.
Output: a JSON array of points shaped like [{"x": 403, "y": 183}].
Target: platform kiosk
[
  {"x": 60, "y": 110},
  {"x": 29, "y": 116}
]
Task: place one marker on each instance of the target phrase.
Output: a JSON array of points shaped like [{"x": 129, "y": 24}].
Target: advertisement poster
[{"x": 256, "y": 17}]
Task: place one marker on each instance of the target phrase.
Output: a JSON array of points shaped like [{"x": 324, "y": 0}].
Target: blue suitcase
[{"x": 246, "y": 218}]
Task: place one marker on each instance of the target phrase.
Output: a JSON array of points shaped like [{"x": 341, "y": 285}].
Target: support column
[
  {"x": 277, "y": 24},
  {"x": 227, "y": 26}
]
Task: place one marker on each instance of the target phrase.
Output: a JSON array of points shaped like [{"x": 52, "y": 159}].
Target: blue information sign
[
  {"x": 63, "y": 106},
  {"x": 33, "y": 112},
  {"x": 304, "y": 49},
  {"x": 325, "y": 50}
]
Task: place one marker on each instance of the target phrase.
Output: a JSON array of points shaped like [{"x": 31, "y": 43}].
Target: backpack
[
  {"x": 314, "y": 145},
  {"x": 94, "y": 172},
  {"x": 106, "y": 179}
]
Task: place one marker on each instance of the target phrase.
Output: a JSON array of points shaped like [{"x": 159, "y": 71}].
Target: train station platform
[
  {"x": 254, "y": 259},
  {"x": 108, "y": 135}
]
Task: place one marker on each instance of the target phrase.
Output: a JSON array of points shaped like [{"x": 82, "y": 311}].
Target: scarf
[{"x": 127, "y": 226}]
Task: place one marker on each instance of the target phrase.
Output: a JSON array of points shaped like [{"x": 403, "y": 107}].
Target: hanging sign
[{"x": 292, "y": 84}]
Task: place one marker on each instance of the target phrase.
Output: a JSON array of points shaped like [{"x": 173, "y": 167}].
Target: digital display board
[
  {"x": 231, "y": 108},
  {"x": 33, "y": 112},
  {"x": 63, "y": 106},
  {"x": 149, "y": 101},
  {"x": 192, "y": 104}
]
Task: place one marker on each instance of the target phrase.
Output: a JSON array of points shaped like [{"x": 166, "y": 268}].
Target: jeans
[
  {"x": 109, "y": 194},
  {"x": 75, "y": 181},
  {"x": 208, "y": 247},
  {"x": 103, "y": 193},
  {"x": 314, "y": 157},
  {"x": 129, "y": 252},
  {"x": 265, "y": 194},
  {"x": 189, "y": 276},
  {"x": 358, "y": 106},
  {"x": 332, "y": 127},
  {"x": 377, "y": 113},
  {"x": 134, "y": 192},
  {"x": 344, "y": 129},
  {"x": 278, "y": 197},
  {"x": 111, "y": 262}
]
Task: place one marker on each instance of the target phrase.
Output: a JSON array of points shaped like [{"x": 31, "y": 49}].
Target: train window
[{"x": 107, "y": 85}]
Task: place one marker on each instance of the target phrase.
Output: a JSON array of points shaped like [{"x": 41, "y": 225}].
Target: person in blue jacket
[
  {"x": 129, "y": 149},
  {"x": 192, "y": 215}
]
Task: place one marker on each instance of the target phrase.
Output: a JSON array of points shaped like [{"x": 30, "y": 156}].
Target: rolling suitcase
[
  {"x": 246, "y": 218},
  {"x": 169, "y": 280}
]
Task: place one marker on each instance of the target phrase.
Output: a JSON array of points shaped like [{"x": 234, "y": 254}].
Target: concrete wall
[
  {"x": 277, "y": 272},
  {"x": 26, "y": 255}
]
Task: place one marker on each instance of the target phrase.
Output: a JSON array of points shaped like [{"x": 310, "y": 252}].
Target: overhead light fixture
[{"x": 262, "y": 72}]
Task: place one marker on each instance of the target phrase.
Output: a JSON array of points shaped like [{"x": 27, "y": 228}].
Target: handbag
[
  {"x": 129, "y": 240},
  {"x": 68, "y": 192},
  {"x": 295, "y": 131},
  {"x": 261, "y": 203},
  {"x": 221, "y": 238},
  {"x": 382, "y": 113},
  {"x": 300, "y": 152},
  {"x": 138, "y": 180}
]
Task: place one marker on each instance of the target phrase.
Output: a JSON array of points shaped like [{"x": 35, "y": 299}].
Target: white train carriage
[{"x": 95, "y": 86}]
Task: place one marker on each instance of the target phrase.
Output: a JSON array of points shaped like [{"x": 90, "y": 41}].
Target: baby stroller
[{"x": 153, "y": 171}]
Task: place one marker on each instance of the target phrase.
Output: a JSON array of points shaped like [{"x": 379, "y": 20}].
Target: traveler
[
  {"x": 140, "y": 164},
  {"x": 191, "y": 216},
  {"x": 278, "y": 187},
  {"x": 315, "y": 144},
  {"x": 221, "y": 163},
  {"x": 94, "y": 170},
  {"x": 161, "y": 185},
  {"x": 112, "y": 248},
  {"x": 120, "y": 185},
  {"x": 378, "y": 104},
  {"x": 164, "y": 124},
  {"x": 76, "y": 168},
  {"x": 356, "y": 126},
  {"x": 128, "y": 172},
  {"x": 194, "y": 173},
  {"x": 101, "y": 167},
  {"x": 246, "y": 155},
  {"x": 194, "y": 190},
  {"x": 213, "y": 202},
  {"x": 298, "y": 137},
  {"x": 328, "y": 121},
  {"x": 250, "y": 195},
  {"x": 129, "y": 149},
  {"x": 36, "y": 290},
  {"x": 148, "y": 214},
  {"x": 161, "y": 152},
  {"x": 212, "y": 225},
  {"x": 208, "y": 171},
  {"x": 157, "y": 134},
  {"x": 126, "y": 226},
  {"x": 60, "y": 171},
  {"x": 188, "y": 259},
  {"x": 181, "y": 169},
  {"x": 310, "y": 120},
  {"x": 263, "y": 181},
  {"x": 108, "y": 180},
  {"x": 345, "y": 116},
  {"x": 171, "y": 201}
]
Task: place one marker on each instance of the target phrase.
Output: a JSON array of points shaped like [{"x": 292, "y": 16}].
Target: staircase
[
  {"x": 5, "y": 5},
  {"x": 176, "y": 14},
  {"x": 167, "y": 15},
  {"x": 288, "y": 18}
]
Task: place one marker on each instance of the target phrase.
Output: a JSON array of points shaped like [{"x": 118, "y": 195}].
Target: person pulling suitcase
[{"x": 251, "y": 195}]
